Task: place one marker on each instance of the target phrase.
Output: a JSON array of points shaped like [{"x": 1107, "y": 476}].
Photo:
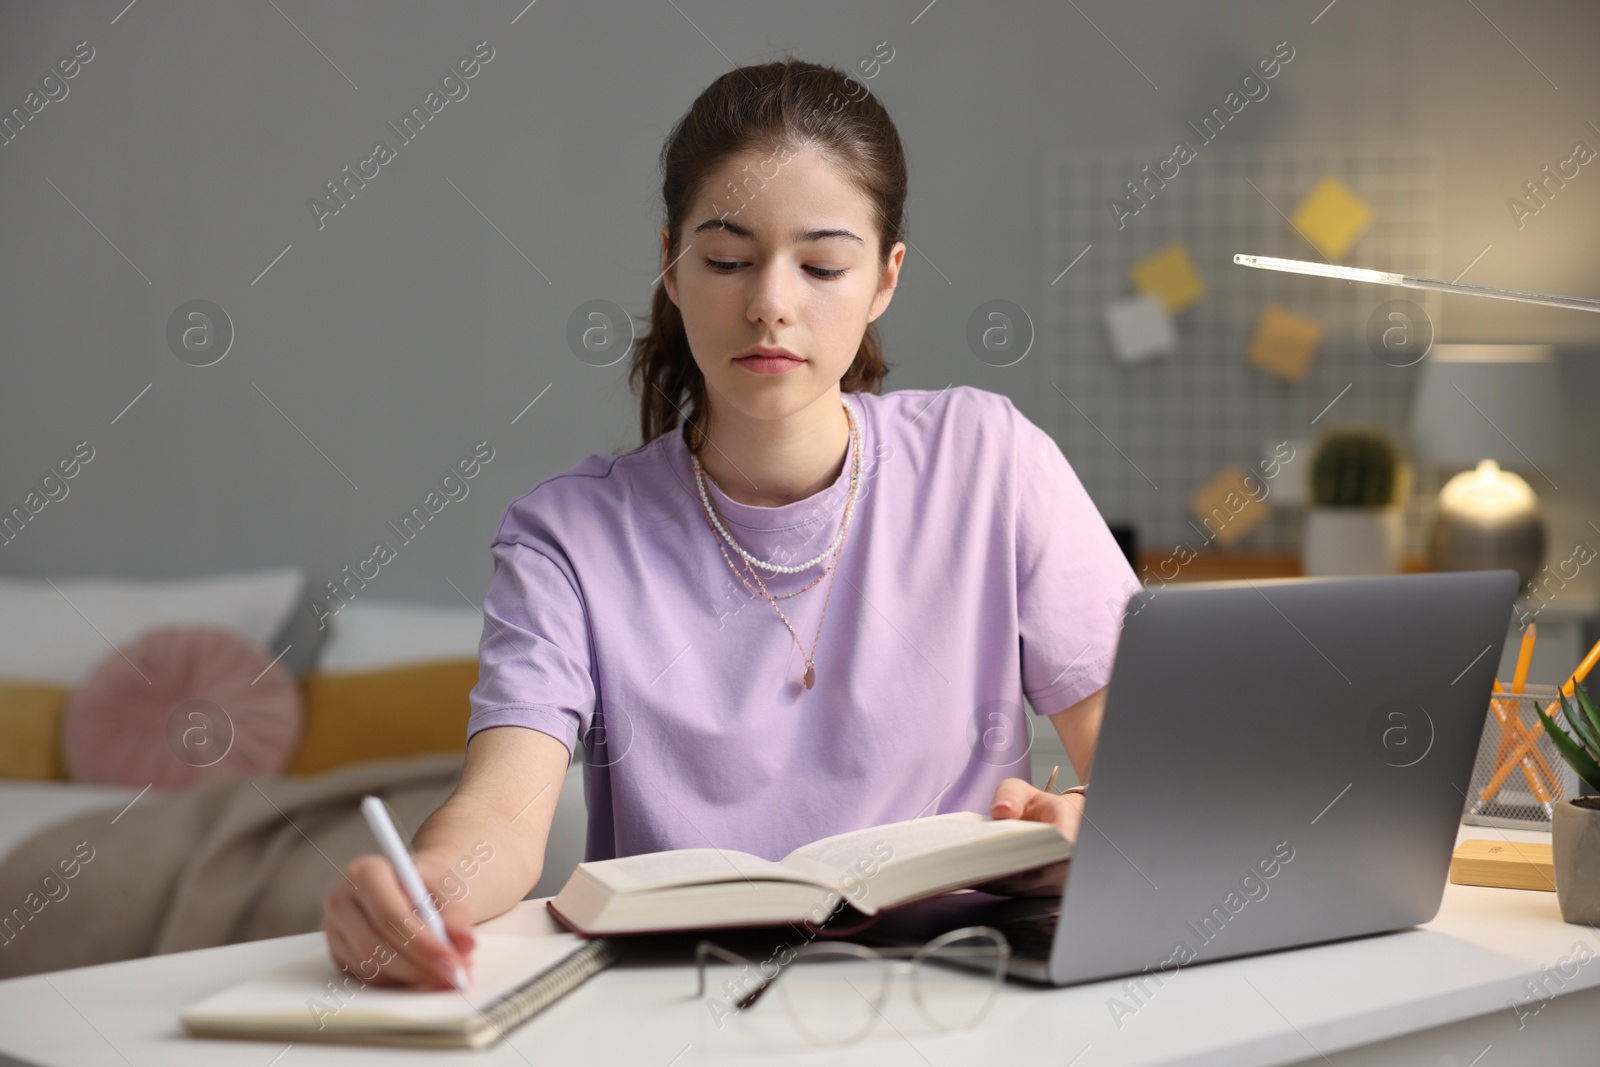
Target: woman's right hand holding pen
[
  {"x": 477, "y": 857},
  {"x": 377, "y": 934}
]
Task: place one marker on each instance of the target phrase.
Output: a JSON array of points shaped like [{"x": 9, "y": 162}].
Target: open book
[
  {"x": 864, "y": 870},
  {"x": 309, "y": 999}
]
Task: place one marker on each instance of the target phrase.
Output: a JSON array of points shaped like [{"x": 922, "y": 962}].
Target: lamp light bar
[{"x": 1383, "y": 277}]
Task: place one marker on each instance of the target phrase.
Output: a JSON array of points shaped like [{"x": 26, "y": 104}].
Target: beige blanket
[{"x": 230, "y": 860}]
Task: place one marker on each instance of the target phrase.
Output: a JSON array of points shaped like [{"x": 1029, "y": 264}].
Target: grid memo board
[{"x": 1182, "y": 417}]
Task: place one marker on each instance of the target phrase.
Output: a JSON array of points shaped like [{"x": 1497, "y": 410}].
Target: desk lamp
[
  {"x": 1491, "y": 406},
  {"x": 1490, "y": 516}
]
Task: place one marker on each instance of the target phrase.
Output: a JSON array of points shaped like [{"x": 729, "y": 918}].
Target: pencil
[
  {"x": 1511, "y": 734},
  {"x": 1524, "y": 658},
  {"x": 1518, "y": 680},
  {"x": 1538, "y": 727},
  {"x": 1583, "y": 669}
]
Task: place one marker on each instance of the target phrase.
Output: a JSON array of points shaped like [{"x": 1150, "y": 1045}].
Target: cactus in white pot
[{"x": 1356, "y": 522}]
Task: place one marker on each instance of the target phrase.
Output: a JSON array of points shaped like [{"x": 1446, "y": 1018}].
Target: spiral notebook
[{"x": 309, "y": 999}]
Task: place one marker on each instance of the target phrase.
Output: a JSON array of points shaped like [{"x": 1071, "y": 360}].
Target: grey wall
[{"x": 428, "y": 313}]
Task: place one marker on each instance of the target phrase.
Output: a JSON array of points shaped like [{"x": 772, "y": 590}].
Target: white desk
[{"x": 1436, "y": 995}]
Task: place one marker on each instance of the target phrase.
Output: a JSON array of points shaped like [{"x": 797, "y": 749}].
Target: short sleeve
[
  {"x": 534, "y": 654},
  {"x": 1073, "y": 580}
]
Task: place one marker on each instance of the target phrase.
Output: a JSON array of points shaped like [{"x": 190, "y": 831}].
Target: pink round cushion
[{"x": 181, "y": 705}]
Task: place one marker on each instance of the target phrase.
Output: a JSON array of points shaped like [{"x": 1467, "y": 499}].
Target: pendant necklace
[{"x": 809, "y": 678}]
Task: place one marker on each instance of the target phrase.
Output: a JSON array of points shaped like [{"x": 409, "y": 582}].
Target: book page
[
  {"x": 857, "y": 854},
  {"x": 686, "y": 866}
]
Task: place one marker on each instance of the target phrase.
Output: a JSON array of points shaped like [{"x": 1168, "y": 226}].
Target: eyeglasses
[{"x": 834, "y": 991}]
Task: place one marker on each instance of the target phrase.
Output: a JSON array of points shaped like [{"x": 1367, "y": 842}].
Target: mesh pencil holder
[{"x": 1514, "y": 783}]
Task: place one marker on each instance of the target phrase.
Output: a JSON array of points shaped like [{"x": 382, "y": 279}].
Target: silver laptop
[{"x": 1281, "y": 763}]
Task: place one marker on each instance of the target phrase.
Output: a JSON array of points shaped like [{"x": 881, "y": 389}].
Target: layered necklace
[{"x": 720, "y": 533}]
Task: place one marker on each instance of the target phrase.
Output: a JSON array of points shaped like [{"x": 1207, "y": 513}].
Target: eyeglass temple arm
[
  {"x": 885, "y": 952},
  {"x": 755, "y": 994},
  {"x": 711, "y": 948}
]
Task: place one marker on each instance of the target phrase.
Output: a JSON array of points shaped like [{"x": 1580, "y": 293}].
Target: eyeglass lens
[
  {"x": 834, "y": 994},
  {"x": 956, "y": 981}
]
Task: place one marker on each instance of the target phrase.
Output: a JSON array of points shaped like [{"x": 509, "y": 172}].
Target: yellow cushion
[
  {"x": 30, "y": 729},
  {"x": 383, "y": 714}
]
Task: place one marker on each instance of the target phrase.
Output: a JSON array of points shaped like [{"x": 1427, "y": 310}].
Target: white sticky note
[
  {"x": 1140, "y": 328},
  {"x": 1284, "y": 464}
]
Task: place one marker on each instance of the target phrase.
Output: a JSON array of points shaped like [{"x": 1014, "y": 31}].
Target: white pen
[{"x": 394, "y": 848}]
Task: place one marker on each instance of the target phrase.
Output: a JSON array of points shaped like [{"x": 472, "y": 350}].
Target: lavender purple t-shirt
[{"x": 976, "y": 571}]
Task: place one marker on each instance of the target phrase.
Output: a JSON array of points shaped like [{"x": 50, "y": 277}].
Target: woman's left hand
[{"x": 1017, "y": 799}]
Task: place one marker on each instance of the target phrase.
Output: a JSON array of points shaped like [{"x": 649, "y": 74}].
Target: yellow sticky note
[
  {"x": 1169, "y": 273},
  {"x": 1332, "y": 216},
  {"x": 1284, "y": 343},
  {"x": 1229, "y": 505}
]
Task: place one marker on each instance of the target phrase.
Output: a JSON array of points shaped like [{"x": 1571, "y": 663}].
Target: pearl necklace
[
  {"x": 716, "y": 520},
  {"x": 809, "y": 677}
]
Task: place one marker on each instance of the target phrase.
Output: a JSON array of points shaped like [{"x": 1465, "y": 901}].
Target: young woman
[{"x": 801, "y": 607}]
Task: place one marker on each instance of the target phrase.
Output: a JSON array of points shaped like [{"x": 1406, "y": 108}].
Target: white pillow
[
  {"x": 58, "y": 634},
  {"x": 369, "y": 635}
]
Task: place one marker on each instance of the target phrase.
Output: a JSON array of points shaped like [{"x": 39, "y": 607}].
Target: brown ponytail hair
[{"x": 792, "y": 105}]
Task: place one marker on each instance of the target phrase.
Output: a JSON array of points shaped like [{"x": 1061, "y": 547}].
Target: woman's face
[{"x": 789, "y": 262}]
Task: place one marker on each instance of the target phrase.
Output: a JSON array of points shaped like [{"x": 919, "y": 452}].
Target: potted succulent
[
  {"x": 1356, "y": 524},
  {"x": 1575, "y": 822}
]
